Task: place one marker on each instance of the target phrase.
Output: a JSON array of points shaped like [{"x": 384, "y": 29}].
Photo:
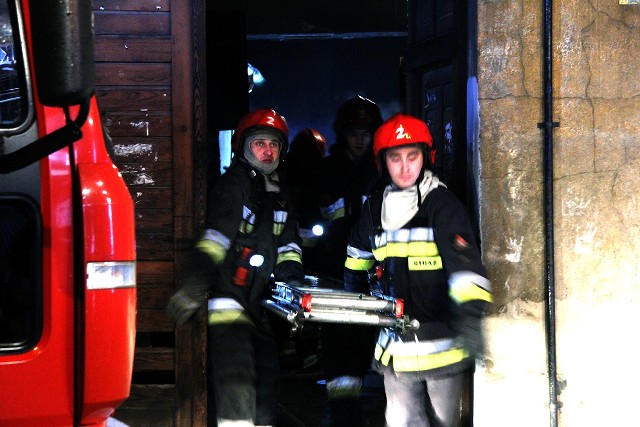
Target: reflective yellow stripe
[
  {"x": 277, "y": 228},
  {"x": 359, "y": 264},
  {"x": 380, "y": 355},
  {"x": 421, "y": 263},
  {"x": 245, "y": 228},
  {"x": 465, "y": 292},
  {"x": 289, "y": 256},
  {"x": 215, "y": 250},
  {"x": 332, "y": 216},
  {"x": 404, "y": 249},
  {"x": 333, "y": 211},
  {"x": 228, "y": 316},
  {"x": 426, "y": 362},
  {"x": 248, "y": 219}
]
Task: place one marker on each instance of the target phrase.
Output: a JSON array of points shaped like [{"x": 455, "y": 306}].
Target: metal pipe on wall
[{"x": 548, "y": 125}]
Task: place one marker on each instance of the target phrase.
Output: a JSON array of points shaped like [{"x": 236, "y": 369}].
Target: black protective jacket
[
  {"x": 243, "y": 216},
  {"x": 342, "y": 186},
  {"x": 434, "y": 264}
]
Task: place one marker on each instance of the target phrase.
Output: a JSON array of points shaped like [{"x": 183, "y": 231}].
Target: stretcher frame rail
[{"x": 300, "y": 304}]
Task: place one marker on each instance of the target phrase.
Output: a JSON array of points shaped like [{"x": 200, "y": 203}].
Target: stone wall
[{"x": 596, "y": 155}]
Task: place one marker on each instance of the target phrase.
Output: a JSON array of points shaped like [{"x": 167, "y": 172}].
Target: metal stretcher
[{"x": 299, "y": 304}]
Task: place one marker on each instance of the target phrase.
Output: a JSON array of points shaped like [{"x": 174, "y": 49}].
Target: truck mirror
[{"x": 63, "y": 51}]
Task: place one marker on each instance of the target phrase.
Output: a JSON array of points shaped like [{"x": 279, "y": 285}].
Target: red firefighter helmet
[
  {"x": 263, "y": 118},
  {"x": 358, "y": 111},
  {"x": 402, "y": 129},
  {"x": 307, "y": 138}
]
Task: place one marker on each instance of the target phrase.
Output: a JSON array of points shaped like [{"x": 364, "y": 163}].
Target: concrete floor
[
  {"x": 303, "y": 387},
  {"x": 304, "y": 397}
]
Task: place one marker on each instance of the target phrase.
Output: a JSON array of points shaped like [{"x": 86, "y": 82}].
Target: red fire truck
[{"x": 67, "y": 242}]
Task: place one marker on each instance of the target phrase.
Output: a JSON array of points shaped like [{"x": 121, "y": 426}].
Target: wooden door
[{"x": 436, "y": 66}]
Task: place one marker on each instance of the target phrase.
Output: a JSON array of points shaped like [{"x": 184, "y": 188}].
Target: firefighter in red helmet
[
  {"x": 418, "y": 232},
  {"x": 249, "y": 233},
  {"x": 302, "y": 161}
]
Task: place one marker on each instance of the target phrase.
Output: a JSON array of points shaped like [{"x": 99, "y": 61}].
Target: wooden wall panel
[
  {"x": 157, "y": 296},
  {"x": 134, "y": 86},
  {"x": 155, "y": 219},
  {"x": 152, "y": 320},
  {"x": 142, "y": 149},
  {"x": 187, "y": 21},
  {"x": 125, "y": 48},
  {"x": 155, "y": 272},
  {"x": 132, "y": 5},
  {"x": 135, "y": 98},
  {"x": 144, "y": 174},
  {"x": 142, "y": 23},
  {"x": 151, "y": 198},
  {"x": 133, "y": 74},
  {"x": 151, "y": 360},
  {"x": 140, "y": 124}
]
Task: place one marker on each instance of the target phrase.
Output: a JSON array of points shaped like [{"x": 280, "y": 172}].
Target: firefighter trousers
[
  {"x": 243, "y": 374},
  {"x": 415, "y": 402}
]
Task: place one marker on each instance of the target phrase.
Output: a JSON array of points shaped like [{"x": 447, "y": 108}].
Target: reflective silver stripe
[
  {"x": 217, "y": 237},
  {"x": 234, "y": 423},
  {"x": 467, "y": 286},
  {"x": 223, "y": 304},
  {"x": 404, "y": 235},
  {"x": 290, "y": 247},
  {"x": 469, "y": 276},
  {"x": 358, "y": 254},
  {"x": 279, "y": 220},
  {"x": 400, "y": 348},
  {"x": 416, "y": 355},
  {"x": 280, "y": 217},
  {"x": 248, "y": 215},
  {"x": 331, "y": 211}
]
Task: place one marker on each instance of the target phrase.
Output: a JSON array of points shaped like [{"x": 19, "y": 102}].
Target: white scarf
[{"x": 399, "y": 206}]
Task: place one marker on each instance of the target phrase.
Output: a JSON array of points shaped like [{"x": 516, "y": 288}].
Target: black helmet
[{"x": 358, "y": 111}]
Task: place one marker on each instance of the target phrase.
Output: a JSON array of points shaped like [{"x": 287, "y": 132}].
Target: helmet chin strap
[{"x": 417, "y": 184}]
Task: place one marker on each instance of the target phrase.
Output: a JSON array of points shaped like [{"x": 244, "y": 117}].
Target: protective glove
[
  {"x": 469, "y": 326},
  {"x": 469, "y": 329},
  {"x": 187, "y": 301}
]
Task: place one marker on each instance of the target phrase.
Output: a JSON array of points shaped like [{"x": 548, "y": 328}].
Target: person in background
[
  {"x": 250, "y": 232},
  {"x": 307, "y": 149},
  {"x": 345, "y": 176},
  {"x": 344, "y": 180},
  {"x": 302, "y": 162},
  {"x": 419, "y": 233}
]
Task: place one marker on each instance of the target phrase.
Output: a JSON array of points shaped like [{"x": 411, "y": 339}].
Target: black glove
[
  {"x": 469, "y": 329},
  {"x": 289, "y": 271},
  {"x": 469, "y": 326},
  {"x": 187, "y": 301}
]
